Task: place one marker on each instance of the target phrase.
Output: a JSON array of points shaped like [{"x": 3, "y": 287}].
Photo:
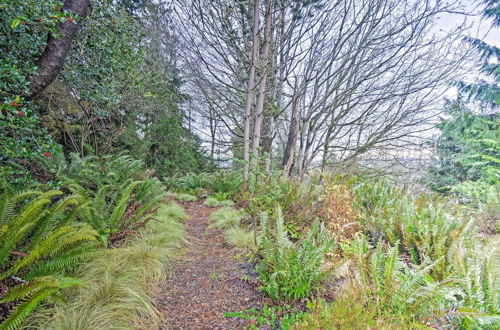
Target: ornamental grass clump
[{"x": 226, "y": 217}]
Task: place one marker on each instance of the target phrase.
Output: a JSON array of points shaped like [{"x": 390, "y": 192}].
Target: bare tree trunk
[
  {"x": 259, "y": 109},
  {"x": 250, "y": 94},
  {"x": 267, "y": 140},
  {"x": 289, "y": 154},
  {"x": 213, "y": 130},
  {"x": 53, "y": 57},
  {"x": 302, "y": 150}
]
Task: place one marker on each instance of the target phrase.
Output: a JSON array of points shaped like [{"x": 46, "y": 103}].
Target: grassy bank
[{"x": 120, "y": 282}]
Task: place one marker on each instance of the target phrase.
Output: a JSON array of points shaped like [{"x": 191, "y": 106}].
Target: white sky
[{"x": 480, "y": 28}]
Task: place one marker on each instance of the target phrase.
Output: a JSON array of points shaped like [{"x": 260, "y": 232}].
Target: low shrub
[
  {"x": 418, "y": 226},
  {"x": 225, "y": 182},
  {"x": 275, "y": 317},
  {"x": 300, "y": 202},
  {"x": 392, "y": 286},
  {"x": 213, "y": 202},
  {"x": 338, "y": 212},
  {"x": 193, "y": 181},
  {"x": 349, "y": 311},
  {"x": 128, "y": 209},
  {"x": 226, "y": 217},
  {"x": 289, "y": 270}
]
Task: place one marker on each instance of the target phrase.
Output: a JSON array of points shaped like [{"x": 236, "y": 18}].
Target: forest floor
[{"x": 210, "y": 280}]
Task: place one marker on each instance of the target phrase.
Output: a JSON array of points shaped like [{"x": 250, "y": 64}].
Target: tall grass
[
  {"x": 214, "y": 202},
  {"x": 183, "y": 197},
  {"x": 226, "y": 217},
  {"x": 172, "y": 210},
  {"x": 119, "y": 282},
  {"x": 240, "y": 237}
]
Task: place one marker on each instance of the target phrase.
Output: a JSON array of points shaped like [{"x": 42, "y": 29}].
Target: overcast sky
[{"x": 480, "y": 28}]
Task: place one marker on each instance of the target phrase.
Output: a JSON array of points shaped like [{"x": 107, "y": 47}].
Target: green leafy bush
[
  {"x": 408, "y": 293},
  {"x": 225, "y": 182},
  {"x": 193, "y": 181},
  {"x": 23, "y": 33},
  {"x": 276, "y": 317},
  {"x": 289, "y": 270},
  {"x": 419, "y": 227}
]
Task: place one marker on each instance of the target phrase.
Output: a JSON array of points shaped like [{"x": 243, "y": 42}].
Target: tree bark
[
  {"x": 55, "y": 53},
  {"x": 250, "y": 94},
  {"x": 259, "y": 109},
  {"x": 289, "y": 154}
]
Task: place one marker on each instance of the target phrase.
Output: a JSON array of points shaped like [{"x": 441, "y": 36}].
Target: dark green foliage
[
  {"x": 119, "y": 89},
  {"x": 41, "y": 243},
  {"x": 289, "y": 270},
  {"x": 468, "y": 149},
  {"x": 23, "y": 31},
  {"x": 225, "y": 183},
  {"x": 275, "y": 317},
  {"x": 172, "y": 148},
  {"x": 486, "y": 91},
  {"x": 418, "y": 226},
  {"x": 122, "y": 191}
]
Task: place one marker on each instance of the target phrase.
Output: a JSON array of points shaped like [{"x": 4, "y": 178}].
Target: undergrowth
[
  {"x": 226, "y": 217},
  {"x": 183, "y": 197},
  {"x": 119, "y": 282},
  {"x": 275, "y": 317},
  {"x": 288, "y": 270},
  {"x": 240, "y": 237},
  {"x": 213, "y": 202}
]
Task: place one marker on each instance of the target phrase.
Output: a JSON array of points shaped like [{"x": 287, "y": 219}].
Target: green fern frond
[
  {"x": 52, "y": 245},
  {"x": 32, "y": 294},
  {"x": 121, "y": 204}
]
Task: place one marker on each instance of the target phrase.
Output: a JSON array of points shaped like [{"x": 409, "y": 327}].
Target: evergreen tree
[{"x": 487, "y": 89}]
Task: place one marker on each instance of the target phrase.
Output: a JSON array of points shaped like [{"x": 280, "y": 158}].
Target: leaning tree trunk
[{"x": 53, "y": 57}]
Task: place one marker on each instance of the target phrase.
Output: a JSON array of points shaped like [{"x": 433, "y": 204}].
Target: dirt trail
[{"x": 209, "y": 280}]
